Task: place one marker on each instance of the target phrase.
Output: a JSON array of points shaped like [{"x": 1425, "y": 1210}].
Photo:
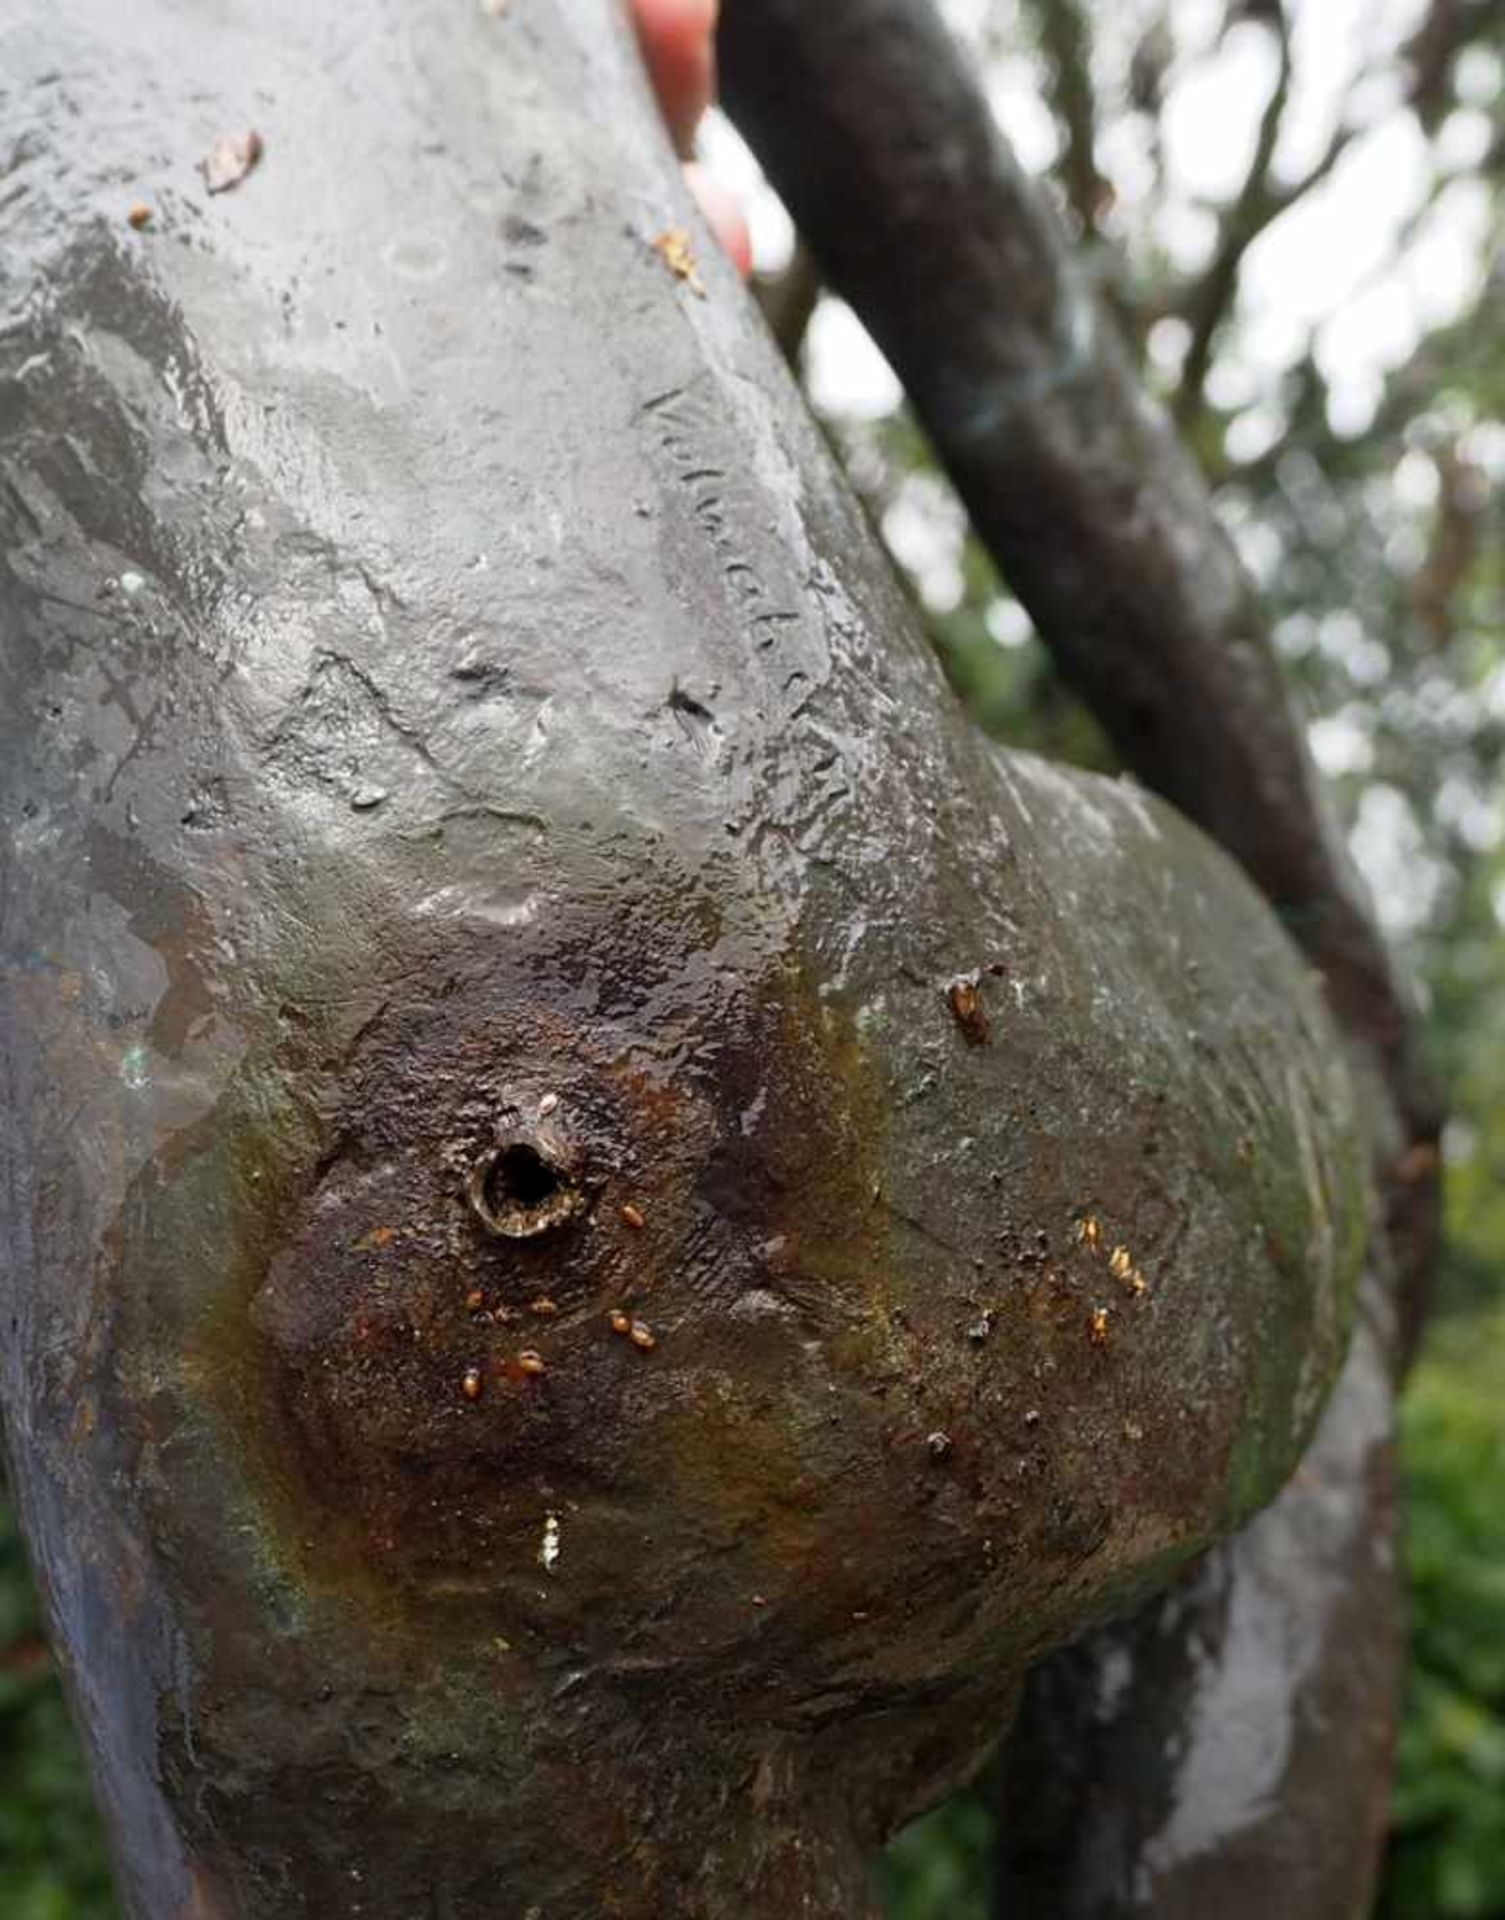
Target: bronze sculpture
[{"x": 612, "y": 1223}]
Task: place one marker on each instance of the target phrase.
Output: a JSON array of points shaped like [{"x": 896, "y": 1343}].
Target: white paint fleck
[
  {"x": 416, "y": 258},
  {"x": 132, "y": 583},
  {"x": 538, "y": 735},
  {"x": 548, "y": 1552}
]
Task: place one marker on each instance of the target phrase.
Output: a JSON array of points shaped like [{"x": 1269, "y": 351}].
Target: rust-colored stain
[
  {"x": 346, "y": 1390},
  {"x": 805, "y": 1406}
]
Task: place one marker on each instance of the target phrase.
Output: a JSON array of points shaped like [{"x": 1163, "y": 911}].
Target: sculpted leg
[{"x": 1234, "y": 1737}]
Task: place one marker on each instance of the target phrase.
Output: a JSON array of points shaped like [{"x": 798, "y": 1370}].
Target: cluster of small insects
[
  {"x": 529, "y": 1362},
  {"x": 640, "y": 1335},
  {"x": 1121, "y": 1265}
]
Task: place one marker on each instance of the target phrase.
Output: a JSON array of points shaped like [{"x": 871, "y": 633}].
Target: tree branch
[
  {"x": 1456, "y": 531},
  {"x": 1066, "y": 42},
  {"x": 1406, "y": 386},
  {"x": 1446, "y": 28},
  {"x": 1260, "y": 203},
  {"x": 883, "y": 147},
  {"x": 1251, "y": 212}
]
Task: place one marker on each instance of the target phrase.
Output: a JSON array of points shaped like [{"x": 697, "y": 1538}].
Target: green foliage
[
  {"x": 1447, "y": 1855},
  {"x": 52, "y": 1862},
  {"x": 939, "y": 1866}
]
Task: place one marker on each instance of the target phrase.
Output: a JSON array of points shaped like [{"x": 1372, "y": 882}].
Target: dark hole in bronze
[
  {"x": 521, "y": 1188},
  {"x": 521, "y": 1177}
]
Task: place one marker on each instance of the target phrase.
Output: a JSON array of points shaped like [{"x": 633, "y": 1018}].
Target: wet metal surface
[{"x": 486, "y": 856}]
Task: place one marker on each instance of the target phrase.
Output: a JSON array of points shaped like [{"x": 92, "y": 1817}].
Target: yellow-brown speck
[
  {"x": 139, "y": 215},
  {"x": 674, "y": 248},
  {"x": 619, "y": 1321},
  {"x": 470, "y": 1386},
  {"x": 1089, "y": 1232},
  {"x": 1120, "y": 1261},
  {"x": 634, "y": 1216},
  {"x": 531, "y": 1363},
  {"x": 543, "y": 1306},
  {"x": 1098, "y": 1327},
  {"x": 475, "y": 1299},
  {"x": 643, "y": 1337}
]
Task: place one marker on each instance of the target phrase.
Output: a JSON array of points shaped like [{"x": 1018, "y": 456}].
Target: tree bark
[{"x": 609, "y": 1221}]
